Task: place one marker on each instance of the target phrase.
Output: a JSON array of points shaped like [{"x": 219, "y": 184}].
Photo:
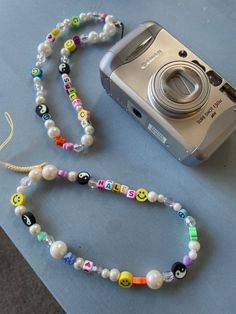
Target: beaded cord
[{"x": 45, "y": 50}]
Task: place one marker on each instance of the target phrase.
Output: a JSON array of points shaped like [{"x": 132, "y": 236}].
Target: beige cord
[{"x": 6, "y": 142}]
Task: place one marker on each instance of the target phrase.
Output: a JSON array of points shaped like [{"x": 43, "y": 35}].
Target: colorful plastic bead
[
  {"x": 131, "y": 194},
  {"x": 65, "y": 78},
  {"x": 18, "y": 199},
  {"x": 75, "y": 22},
  {"x": 68, "y": 146},
  {"x": 71, "y": 90},
  {"x": 83, "y": 115},
  {"x": 187, "y": 261},
  {"x": 41, "y": 235},
  {"x": 108, "y": 185},
  {"x": 67, "y": 86},
  {"x": 55, "y": 31},
  {"x": 59, "y": 140},
  {"x": 69, "y": 258},
  {"x": 64, "y": 68},
  {"x": 193, "y": 233},
  {"x": 125, "y": 279},
  {"x": 70, "y": 45},
  {"x": 88, "y": 266},
  {"x": 28, "y": 219},
  {"x": 73, "y": 96},
  {"x": 116, "y": 187},
  {"x": 182, "y": 213},
  {"x": 141, "y": 195},
  {"x": 36, "y": 72},
  {"x": 77, "y": 102},
  {"x": 50, "y": 37},
  {"x": 124, "y": 189},
  {"x": 41, "y": 110},
  {"x": 46, "y": 116},
  {"x": 76, "y": 40},
  {"x": 139, "y": 280},
  {"x": 101, "y": 184}
]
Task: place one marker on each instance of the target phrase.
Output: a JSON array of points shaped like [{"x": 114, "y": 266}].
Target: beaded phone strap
[{"x": 45, "y": 50}]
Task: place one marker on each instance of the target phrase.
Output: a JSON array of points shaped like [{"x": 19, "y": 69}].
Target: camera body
[{"x": 177, "y": 97}]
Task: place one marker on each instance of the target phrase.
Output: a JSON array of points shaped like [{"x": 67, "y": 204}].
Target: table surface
[{"x": 104, "y": 227}]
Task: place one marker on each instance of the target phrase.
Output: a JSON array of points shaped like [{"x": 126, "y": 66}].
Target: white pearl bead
[
  {"x": 194, "y": 245},
  {"x": 78, "y": 264},
  {"x": 65, "y": 52},
  {"x": 39, "y": 64},
  {"x": 105, "y": 273},
  {"x": 87, "y": 140},
  {"x": 72, "y": 176},
  {"x": 103, "y": 36},
  {"x": 89, "y": 130},
  {"x": 110, "y": 19},
  {"x": 177, "y": 206},
  {"x": 35, "y": 229},
  {"x": 114, "y": 274},
  {"x": 154, "y": 279},
  {"x": 54, "y": 131},
  {"x": 152, "y": 197},
  {"x": 20, "y": 210},
  {"x": 45, "y": 48},
  {"x": 58, "y": 249},
  {"x": 192, "y": 255},
  {"x": 160, "y": 198},
  {"x": 49, "y": 172},
  {"x": 93, "y": 37},
  {"x": 40, "y": 100},
  {"x": 37, "y": 80},
  {"x": 89, "y": 16},
  {"x": 40, "y": 93},
  {"x": 66, "y": 22},
  {"x": 109, "y": 29},
  {"x": 83, "y": 17},
  {"x": 35, "y": 174},
  {"x": 49, "y": 123},
  {"x": 20, "y": 189}
]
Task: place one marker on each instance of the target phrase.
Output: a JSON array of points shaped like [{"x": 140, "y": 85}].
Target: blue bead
[
  {"x": 182, "y": 213},
  {"x": 36, "y": 72},
  {"x": 69, "y": 258},
  {"x": 46, "y": 116}
]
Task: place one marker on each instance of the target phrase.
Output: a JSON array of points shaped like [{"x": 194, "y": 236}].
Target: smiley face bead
[
  {"x": 179, "y": 270},
  {"x": 75, "y": 22},
  {"x": 141, "y": 195},
  {"x": 64, "y": 68},
  {"x": 83, "y": 177},
  {"x": 18, "y": 199},
  {"x": 125, "y": 279},
  {"x": 36, "y": 72},
  {"x": 41, "y": 110},
  {"x": 28, "y": 219},
  {"x": 70, "y": 45}
]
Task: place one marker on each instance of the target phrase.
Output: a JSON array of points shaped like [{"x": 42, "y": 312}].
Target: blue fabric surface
[{"x": 108, "y": 228}]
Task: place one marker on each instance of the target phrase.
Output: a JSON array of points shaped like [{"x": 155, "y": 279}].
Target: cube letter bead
[
  {"x": 71, "y": 90},
  {"x": 116, "y": 187},
  {"x": 36, "y": 72},
  {"x": 108, "y": 185},
  {"x": 83, "y": 115},
  {"x": 88, "y": 266},
  {"x": 101, "y": 184},
  {"x": 73, "y": 96},
  {"x": 124, "y": 189},
  {"x": 193, "y": 233},
  {"x": 70, "y": 45},
  {"x": 67, "y": 86},
  {"x": 131, "y": 194},
  {"x": 65, "y": 78}
]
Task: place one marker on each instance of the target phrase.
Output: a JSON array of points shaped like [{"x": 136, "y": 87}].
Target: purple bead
[
  {"x": 68, "y": 146},
  {"x": 187, "y": 261},
  {"x": 62, "y": 173},
  {"x": 76, "y": 40}
]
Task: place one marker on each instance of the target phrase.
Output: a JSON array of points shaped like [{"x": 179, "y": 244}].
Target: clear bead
[
  {"x": 168, "y": 202},
  {"x": 38, "y": 87},
  {"x": 65, "y": 59},
  {"x": 92, "y": 183},
  {"x": 168, "y": 276},
  {"x": 61, "y": 26},
  {"x": 41, "y": 57},
  {"x": 97, "y": 270},
  {"x": 190, "y": 221},
  {"x": 25, "y": 181},
  {"x": 84, "y": 39},
  {"x": 78, "y": 148},
  {"x": 48, "y": 240}
]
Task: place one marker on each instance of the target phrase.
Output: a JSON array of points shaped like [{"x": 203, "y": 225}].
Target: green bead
[
  {"x": 193, "y": 233},
  {"x": 75, "y": 22},
  {"x": 71, "y": 90},
  {"x": 41, "y": 235}
]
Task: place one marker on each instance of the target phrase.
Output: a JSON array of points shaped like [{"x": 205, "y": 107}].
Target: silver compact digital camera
[{"x": 177, "y": 97}]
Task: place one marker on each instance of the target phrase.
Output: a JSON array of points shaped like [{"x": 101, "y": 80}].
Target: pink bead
[
  {"x": 62, "y": 173},
  {"x": 67, "y": 86},
  {"x": 50, "y": 37},
  {"x": 101, "y": 184},
  {"x": 187, "y": 261},
  {"x": 77, "y": 102},
  {"x": 131, "y": 194},
  {"x": 76, "y": 40},
  {"x": 68, "y": 146},
  {"x": 103, "y": 15}
]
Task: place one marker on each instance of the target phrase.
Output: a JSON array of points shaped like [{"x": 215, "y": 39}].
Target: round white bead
[
  {"x": 177, "y": 206},
  {"x": 194, "y": 245},
  {"x": 49, "y": 172},
  {"x": 40, "y": 100},
  {"x": 103, "y": 36},
  {"x": 49, "y": 123},
  {"x": 93, "y": 37},
  {"x": 40, "y": 93},
  {"x": 89, "y": 130},
  {"x": 83, "y": 17},
  {"x": 20, "y": 210},
  {"x": 35, "y": 174},
  {"x": 154, "y": 279},
  {"x": 66, "y": 22},
  {"x": 110, "y": 19},
  {"x": 37, "y": 80},
  {"x": 192, "y": 255},
  {"x": 72, "y": 176},
  {"x": 54, "y": 131},
  {"x": 87, "y": 140},
  {"x": 152, "y": 197},
  {"x": 65, "y": 52},
  {"x": 89, "y": 16},
  {"x": 160, "y": 198},
  {"x": 39, "y": 64},
  {"x": 20, "y": 189},
  {"x": 79, "y": 262},
  {"x": 35, "y": 229},
  {"x": 58, "y": 249},
  {"x": 109, "y": 29},
  {"x": 45, "y": 48},
  {"x": 114, "y": 274},
  {"x": 105, "y": 273}
]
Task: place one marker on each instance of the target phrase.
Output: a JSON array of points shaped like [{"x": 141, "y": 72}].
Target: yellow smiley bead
[
  {"x": 55, "y": 31},
  {"x": 70, "y": 45},
  {"x": 141, "y": 195},
  {"x": 125, "y": 279},
  {"x": 18, "y": 199}
]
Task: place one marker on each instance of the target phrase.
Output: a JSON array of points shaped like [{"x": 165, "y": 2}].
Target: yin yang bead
[
  {"x": 83, "y": 177},
  {"x": 64, "y": 68},
  {"x": 58, "y": 249},
  {"x": 179, "y": 270},
  {"x": 28, "y": 219},
  {"x": 41, "y": 109}
]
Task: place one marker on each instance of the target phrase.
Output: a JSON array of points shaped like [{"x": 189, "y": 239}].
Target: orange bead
[
  {"x": 59, "y": 140},
  {"x": 139, "y": 280}
]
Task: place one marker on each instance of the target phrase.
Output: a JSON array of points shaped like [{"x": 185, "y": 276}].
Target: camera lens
[
  {"x": 179, "y": 89},
  {"x": 137, "y": 113}
]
